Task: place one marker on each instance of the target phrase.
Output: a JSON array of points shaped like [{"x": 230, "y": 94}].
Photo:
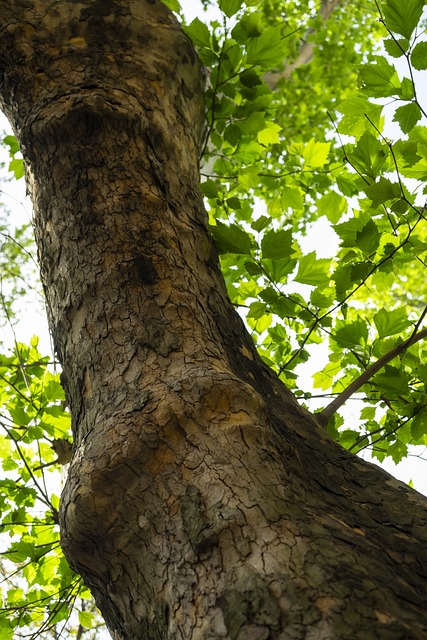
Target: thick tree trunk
[{"x": 202, "y": 501}]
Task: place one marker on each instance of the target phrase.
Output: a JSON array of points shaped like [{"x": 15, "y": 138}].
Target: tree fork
[{"x": 201, "y": 501}]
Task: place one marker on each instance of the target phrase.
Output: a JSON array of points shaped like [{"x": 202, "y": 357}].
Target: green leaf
[
  {"x": 348, "y": 230},
  {"x": 250, "y": 78},
  {"x": 402, "y": 16},
  {"x": 352, "y": 333},
  {"x": 342, "y": 279},
  {"x": 86, "y": 619},
  {"x": 332, "y": 205},
  {"x": 406, "y": 151},
  {"x": 407, "y": 116},
  {"x": 368, "y": 156},
  {"x": 419, "y": 56},
  {"x": 17, "y": 167},
  {"x": 260, "y": 223},
  {"x": 253, "y": 268},
  {"x": 354, "y": 122},
  {"x": 417, "y": 170},
  {"x": 255, "y": 122},
  {"x": 419, "y": 425},
  {"x": 390, "y": 323},
  {"x": 248, "y": 177},
  {"x": 277, "y": 244},
  {"x": 257, "y": 310},
  {"x": 12, "y": 143},
  {"x": 368, "y": 413},
  {"x": 173, "y": 5},
  {"x": 313, "y": 270},
  {"x": 406, "y": 90},
  {"x": 19, "y": 414},
  {"x": 285, "y": 308},
  {"x": 359, "y": 271},
  {"x": 209, "y": 189},
  {"x": 398, "y": 450},
  {"x": 269, "y": 295},
  {"x": 348, "y": 437},
  {"x": 383, "y": 191},
  {"x": 396, "y": 48},
  {"x": 279, "y": 270},
  {"x": 379, "y": 79},
  {"x": 292, "y": 198},
  {"x": 234, "y": 203},
  {"x": 315, "y": 153},
  {"x": 321, "y": 297},
  {"x": 324, "y": 379},
  {"x": 392, "y": 380},
  {"x": 233, "y": 134},
  {"x": 267, "y": 49},
  {"x": 230, "y": 7},
  {"x": 230, "y": 239},
  {"x": 270, "y": 134},
  {"x": 199, "y": 33},
  {"x": 7, "y": 631}
]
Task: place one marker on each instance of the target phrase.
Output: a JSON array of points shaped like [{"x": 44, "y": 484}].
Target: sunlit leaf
[
  {"x": 379, "y": 79},
  {"x": 419, "y": 56},
  {"x": 266, "y": 49},
  {"x": 315, "y": 153},
  {"x": 402, "y": 17},
  {"x": 390, "y": 323},
  {"x": 269, "y": 135},
  {"x": 313, "y": 270},
  {"x": 407, "y": 116},
  {"x": 277, "y": 244},
  {"x": 231, "y": 239}
]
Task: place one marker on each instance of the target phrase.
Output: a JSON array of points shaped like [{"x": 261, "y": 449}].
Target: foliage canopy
[{"x": 313, "y": 173}]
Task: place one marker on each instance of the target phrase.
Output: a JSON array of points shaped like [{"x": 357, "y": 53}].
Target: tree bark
[{"x": 202, "y": 501}]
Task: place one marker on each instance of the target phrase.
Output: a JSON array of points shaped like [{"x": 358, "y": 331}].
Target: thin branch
[
  {"x": 214, "y": 96},
  {"x": 324, "y": 415},
  {"x": 384, "y": 436},
  {"x": 7, "y": 236},
  {"x": 347, "y": 297}
]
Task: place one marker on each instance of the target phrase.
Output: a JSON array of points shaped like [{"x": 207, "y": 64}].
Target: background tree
[{"x": 202, "y": 500}]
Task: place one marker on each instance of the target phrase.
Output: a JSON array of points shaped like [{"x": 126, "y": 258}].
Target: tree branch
[
  {"x": 324, "y": 415},
  {"x": 271, "y": 78}
]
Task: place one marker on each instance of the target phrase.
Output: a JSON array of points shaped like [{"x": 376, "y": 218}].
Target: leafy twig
[{"x": 324, "y": 415}]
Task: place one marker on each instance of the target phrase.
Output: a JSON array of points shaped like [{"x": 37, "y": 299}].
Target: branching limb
[{"x": 324, "y": 415}]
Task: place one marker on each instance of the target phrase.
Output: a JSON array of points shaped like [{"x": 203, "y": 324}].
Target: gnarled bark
[{"x": 202, "y": 501}]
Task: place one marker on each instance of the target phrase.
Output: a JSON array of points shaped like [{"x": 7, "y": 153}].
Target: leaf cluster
[
  {"x": 39, "y": 590},
  {"x": 312, "y": 155}
]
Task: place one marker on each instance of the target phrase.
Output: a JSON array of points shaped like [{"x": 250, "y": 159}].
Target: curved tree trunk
[{"x": 202, "y": 501}]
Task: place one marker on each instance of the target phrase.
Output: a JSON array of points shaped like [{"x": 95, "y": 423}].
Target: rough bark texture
[{"x": 201, "y": 502}]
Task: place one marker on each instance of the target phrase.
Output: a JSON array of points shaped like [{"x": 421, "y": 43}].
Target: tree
[{"x": 202, "y": 501}]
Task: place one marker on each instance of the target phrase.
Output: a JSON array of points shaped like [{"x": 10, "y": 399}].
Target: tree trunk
[{"x": 202, "y": 501}]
